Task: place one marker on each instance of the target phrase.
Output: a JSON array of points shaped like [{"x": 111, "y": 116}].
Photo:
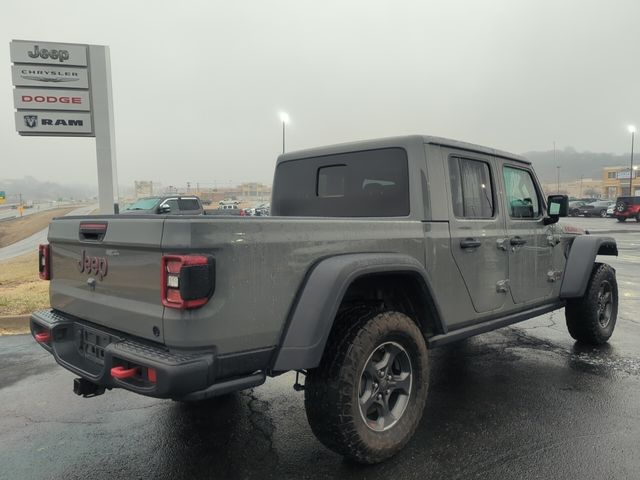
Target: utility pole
[
  {"x": 581, "y": 178},
  {"x": 633, "y": 132},
  {"x": 284, "y": 118},
  {"x": 557, "y": 168}
]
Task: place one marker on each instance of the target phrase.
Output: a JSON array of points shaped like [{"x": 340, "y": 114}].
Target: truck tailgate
[{"x": 112, "y": 279}]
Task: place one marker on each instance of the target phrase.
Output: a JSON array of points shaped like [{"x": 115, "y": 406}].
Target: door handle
[
  {"x": 470, "y": 243},
  {"x": 516, "y": 241}
]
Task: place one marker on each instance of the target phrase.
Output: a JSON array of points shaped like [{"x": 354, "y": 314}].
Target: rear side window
[
  {"x": 188, "y": 204},
  {"x": 471, "y": 188},
  {"x": 629, "y": 200},
  {"x": 372, "y": 183},
  {"x": 522, "y": 196}
]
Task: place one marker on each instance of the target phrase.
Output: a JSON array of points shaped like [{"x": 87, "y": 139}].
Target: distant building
[
  {"x": 143, "y": 188},
  {"x": 579, "y": 188},
  {"x": 250, "y": 192},
  {"x": 615, "y": 181}
]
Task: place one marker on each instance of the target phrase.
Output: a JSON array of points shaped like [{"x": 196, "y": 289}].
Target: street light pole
[
  {"x": 632, "y": 130},
  {"x": 284, "y": 118},
  {"x": 558, "y": 178}
]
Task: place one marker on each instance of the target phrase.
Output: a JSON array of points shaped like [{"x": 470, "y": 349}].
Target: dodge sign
[{"x": 45, "y": 99}]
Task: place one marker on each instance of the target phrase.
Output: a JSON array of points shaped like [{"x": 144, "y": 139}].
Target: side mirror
[
  {"x": 164, "y": 208},
  {"x": 557, "y": 206}
]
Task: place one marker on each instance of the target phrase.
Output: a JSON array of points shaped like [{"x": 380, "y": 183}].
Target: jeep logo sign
[
  {"x": 45, "y": 53},
  {"x": 61, "y": 55}
]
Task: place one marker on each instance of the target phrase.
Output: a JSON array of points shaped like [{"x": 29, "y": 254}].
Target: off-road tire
[
  {"x": 332, "y": 390},
  {"x": 583, "y": 314}
]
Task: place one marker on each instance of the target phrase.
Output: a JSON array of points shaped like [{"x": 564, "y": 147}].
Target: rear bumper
[
  {"x": 91, "y": 352},
  {"x": 626, "y": 214}
]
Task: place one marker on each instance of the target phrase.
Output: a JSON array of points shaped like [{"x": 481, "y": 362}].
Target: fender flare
[
  {"x": 312, "y": 315},
  {"x": 582, "y": 255}
]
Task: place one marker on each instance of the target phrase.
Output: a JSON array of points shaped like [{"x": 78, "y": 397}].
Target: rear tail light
[
  {"x": 188, "y": 281},
  {"x": 44, "y": 262}
]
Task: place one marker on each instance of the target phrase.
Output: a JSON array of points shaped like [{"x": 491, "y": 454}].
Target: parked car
[
  {"x": 167, "y": 205},
  {"x": 611, "y": 209},
  {"x": 596, "y": 209},
  {"x": 627, "y": 207},
  {"x": 263, "y": 210},
  {"x": 574, "y": 207},
  {"x": 384, "y": 266}
]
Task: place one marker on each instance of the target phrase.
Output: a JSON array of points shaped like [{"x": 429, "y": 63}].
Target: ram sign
[{"x": 52, "y": 94}]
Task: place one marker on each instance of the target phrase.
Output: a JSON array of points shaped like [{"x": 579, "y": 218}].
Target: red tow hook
[
  {"x": 122, "y": 373},
  {"x": 43, "y": 337}
]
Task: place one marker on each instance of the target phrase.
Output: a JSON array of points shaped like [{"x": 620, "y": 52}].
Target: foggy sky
[{"x": 198, "y": 85}]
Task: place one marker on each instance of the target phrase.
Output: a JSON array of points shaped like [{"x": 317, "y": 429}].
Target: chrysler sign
[{"x": 51, "y": 77}]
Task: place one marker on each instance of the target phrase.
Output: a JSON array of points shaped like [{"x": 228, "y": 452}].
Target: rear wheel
[
  {"x": 366, "y": 398},
  {"x": 592, "y": 318}
]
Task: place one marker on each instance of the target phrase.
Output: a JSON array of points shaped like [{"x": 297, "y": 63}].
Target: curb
[
  {"x": 597, "y": 232},
  {"x": 14, "y": 324}
]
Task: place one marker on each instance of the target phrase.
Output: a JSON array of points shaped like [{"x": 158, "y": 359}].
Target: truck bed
[{"x": 260, "y": 264}]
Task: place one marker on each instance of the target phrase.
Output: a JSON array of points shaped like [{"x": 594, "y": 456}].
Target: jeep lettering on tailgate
[{"x": 97, "y": 266}]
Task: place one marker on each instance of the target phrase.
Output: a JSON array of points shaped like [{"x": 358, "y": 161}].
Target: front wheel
[
  {"x": 366, "y": 398},
  {"x": 592, "y": 318},
  {"x": 603, "y": 213}
]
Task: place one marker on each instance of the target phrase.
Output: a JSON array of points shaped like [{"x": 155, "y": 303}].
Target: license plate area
[{"x": 90, "y": 343}]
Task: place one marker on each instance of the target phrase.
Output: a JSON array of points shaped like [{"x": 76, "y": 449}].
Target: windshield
[{"x": 143, "y": 204}]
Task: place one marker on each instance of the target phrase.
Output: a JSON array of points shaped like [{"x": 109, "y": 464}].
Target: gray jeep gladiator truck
[{"x": 377, "y": 251}]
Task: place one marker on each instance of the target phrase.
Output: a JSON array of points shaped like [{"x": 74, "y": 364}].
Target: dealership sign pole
[{"x": 64, "y": 90}]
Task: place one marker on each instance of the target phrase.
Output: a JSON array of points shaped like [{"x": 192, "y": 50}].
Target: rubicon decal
[{"x": 96, "y": 266}]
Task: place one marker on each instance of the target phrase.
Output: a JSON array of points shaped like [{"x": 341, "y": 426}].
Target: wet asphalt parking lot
[{"x": 521, "y": 402}]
